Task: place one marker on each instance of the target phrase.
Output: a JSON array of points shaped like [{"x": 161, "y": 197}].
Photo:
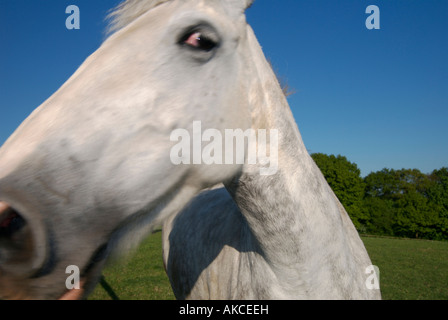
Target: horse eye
[{"x": 197, "y": 40}]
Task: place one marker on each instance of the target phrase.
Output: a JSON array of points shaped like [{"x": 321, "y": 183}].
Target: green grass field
[
  {"x": 409, "y": 269},
  {"x": 142, "y": 277}
]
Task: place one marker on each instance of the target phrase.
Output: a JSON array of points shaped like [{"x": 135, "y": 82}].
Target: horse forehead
[
  {"x": 232, "y": 9},
  {"x": 232, "y": 6}
]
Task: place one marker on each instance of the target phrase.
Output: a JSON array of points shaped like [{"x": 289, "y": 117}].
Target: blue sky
[{"x": 378, "y": 97}]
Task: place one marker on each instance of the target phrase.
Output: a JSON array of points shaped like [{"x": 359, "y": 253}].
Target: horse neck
[{"x": 294, "y": 215}]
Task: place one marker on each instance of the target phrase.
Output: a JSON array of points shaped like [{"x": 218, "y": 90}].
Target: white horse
[{"x": 89, "y": 172}]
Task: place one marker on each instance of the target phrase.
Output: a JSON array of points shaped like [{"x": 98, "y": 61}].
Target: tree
[
  {"x": 382, "y": 189},
  {"x": 438, "y": 195},
  {"x": 416, "y": 217},
  {"x": 344, "y": 178},
  {"x": 413, "y": 203},
  {"x": 381, "y": 216},
  {"x": 406, "y": 202},
  {"x": 438, "y": 192},
  {"x": 382, "y": 184}
]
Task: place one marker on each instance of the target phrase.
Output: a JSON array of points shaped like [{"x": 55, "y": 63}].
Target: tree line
[{"x": 400, "y": 203}]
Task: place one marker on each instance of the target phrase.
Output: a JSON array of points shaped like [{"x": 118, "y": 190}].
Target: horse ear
[
  {"x": 249, "y": 3},
  {"x": 241, "y": 4}
]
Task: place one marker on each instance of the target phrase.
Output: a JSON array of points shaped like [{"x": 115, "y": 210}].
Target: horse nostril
[
  {"x": 23, "y": 246},
  {"x": 10, "y": 220}
]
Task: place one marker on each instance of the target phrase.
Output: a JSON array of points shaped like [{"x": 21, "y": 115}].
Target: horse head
[{"x": 89, "y": 172}]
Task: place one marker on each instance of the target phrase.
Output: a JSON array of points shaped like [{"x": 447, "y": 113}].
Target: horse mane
[{"x": 128, "y": 11}]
